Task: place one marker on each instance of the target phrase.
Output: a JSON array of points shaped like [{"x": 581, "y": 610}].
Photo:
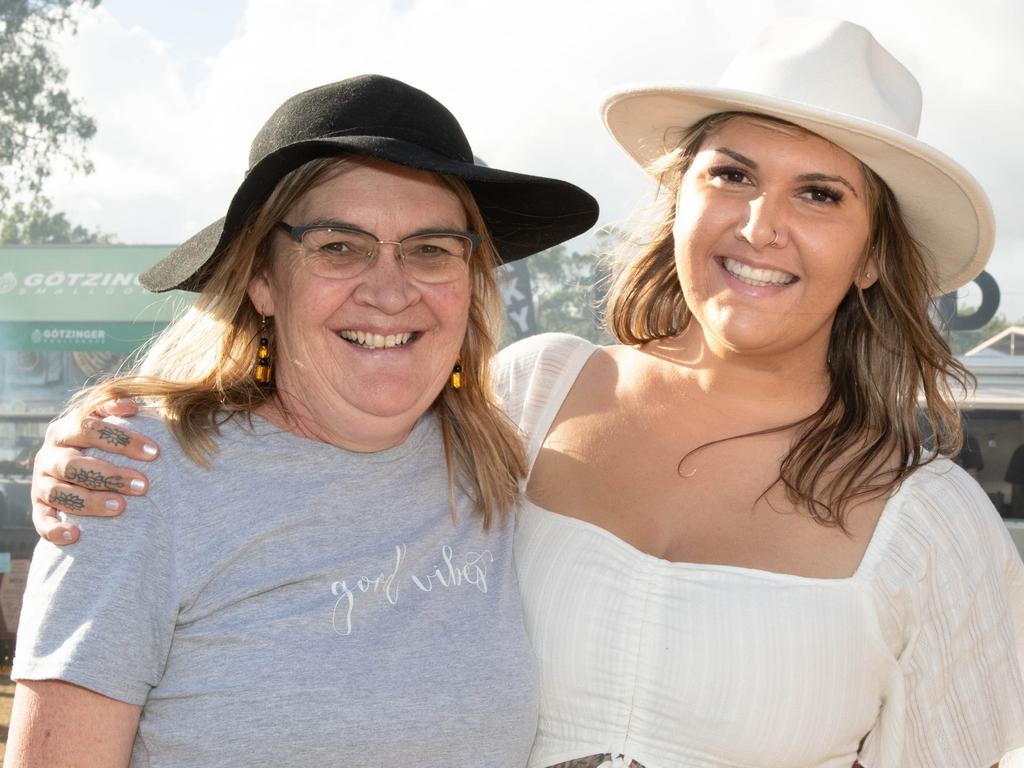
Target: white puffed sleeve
[
  {"x": 953, "y": 586},
  {"x": 530, "y": 379}
]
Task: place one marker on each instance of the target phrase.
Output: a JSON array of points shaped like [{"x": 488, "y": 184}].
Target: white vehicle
[{"x": 994, "y": 419}]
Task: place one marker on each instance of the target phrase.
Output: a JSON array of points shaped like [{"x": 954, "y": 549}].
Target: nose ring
[{"x": 774, "y": 239}]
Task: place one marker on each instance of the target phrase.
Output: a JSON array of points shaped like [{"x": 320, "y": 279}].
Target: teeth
[
  {"x": 375, "y": 340},
  {"x": 758, "y": 277}
]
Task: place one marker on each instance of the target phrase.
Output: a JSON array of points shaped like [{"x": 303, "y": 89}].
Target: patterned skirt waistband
[{"x": 606, "y": 760}]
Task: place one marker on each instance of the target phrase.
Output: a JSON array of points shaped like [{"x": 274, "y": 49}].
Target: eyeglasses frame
[{"x": 297, "y": 233}]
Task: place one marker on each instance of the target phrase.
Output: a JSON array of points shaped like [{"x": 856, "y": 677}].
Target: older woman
[
  {"x": 734, "y": 550},
  {"x": 343, "y": 330}
]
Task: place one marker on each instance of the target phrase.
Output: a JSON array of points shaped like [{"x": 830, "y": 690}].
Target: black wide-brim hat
[{"x": 379, "y": 117}]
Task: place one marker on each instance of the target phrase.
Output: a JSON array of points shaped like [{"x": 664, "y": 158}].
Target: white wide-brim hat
[{"x": 833, "y": 78}]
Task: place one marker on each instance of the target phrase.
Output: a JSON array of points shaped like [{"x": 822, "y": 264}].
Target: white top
[{"x": 918, "y": 654}]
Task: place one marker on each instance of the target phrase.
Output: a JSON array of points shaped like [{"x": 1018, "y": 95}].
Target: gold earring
[
  {"x": 457, "y": 374},
  {"x": 264, "y": 365}
]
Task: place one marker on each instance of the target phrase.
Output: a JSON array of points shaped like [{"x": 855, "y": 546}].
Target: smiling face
[
  {"x": 359, "y": 360},
  {"x": 770, "y": 233}
]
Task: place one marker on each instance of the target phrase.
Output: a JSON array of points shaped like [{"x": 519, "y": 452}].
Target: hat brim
[
  {"x": 524, "y": 214},
  {"x": 945, "y": 209}
]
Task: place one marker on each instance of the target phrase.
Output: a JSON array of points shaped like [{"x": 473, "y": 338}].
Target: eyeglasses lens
[{"x": 339, "y": 253}]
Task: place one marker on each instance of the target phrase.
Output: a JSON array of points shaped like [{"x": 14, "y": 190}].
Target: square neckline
[{"x": 559, "y": 392}]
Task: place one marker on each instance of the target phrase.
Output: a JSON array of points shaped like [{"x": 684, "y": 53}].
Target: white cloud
[{"x": 525, "y": 79}]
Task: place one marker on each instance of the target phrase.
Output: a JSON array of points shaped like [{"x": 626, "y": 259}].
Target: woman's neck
[
  {"x": 359, "y": 435},
  {"x": 795, "y": 381}
]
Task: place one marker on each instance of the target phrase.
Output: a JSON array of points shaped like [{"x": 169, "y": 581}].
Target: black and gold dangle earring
[
  {"x": 264, "y": 365},
  {"x": 457, "y": 374}
]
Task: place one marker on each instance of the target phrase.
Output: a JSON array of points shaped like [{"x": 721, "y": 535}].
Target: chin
[
  {"x": 750, "y": 337},
  {"x": 395, "y": 404}
]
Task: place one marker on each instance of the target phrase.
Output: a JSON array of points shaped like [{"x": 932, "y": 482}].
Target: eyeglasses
[{"x": 342, "y": 253}]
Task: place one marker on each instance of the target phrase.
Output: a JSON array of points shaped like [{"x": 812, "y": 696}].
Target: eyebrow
[
  {"x": 826, "y": 177},
  {"x": 325, "y": 222},
  {"x": 803, "y": 177},
  {"x": 422, "y": 231},
  {"x": 737, "y": 157}
]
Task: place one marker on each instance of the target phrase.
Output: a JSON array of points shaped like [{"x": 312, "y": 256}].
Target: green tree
[
  {"x": 567, "y": 290},
  {"x": 37, "y": 224},
  {"x": 41, "y": 124}
]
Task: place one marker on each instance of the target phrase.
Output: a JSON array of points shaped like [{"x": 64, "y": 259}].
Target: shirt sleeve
[
  {"x": 957, "y": 695},
  {"x": 100, "y": 613},
  {"x": 532, "y": 378}
]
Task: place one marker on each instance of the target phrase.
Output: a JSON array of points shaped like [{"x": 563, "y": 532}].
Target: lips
[
  {"x": 370, "y": 340},
  {"x": 755, "y": 276}
]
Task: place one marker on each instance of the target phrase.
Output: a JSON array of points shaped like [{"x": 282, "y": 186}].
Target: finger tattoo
[
  {"x": 66, "y": 500},
  {"x": 90, "y": 478},
  {"x": 113, "y": 435},
  {"x": 114, "y": 483}
]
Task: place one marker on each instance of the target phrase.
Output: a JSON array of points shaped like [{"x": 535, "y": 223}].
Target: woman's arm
[
  {"x": 64, "y": 480},
  {"x": 59, "y": 725}
]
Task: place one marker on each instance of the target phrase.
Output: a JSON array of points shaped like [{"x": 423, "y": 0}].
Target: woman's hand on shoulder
[{"x": 65, "y": 480}]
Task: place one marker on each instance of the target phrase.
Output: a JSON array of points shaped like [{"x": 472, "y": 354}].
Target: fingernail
[
  {"x": 66, "y": 535},
  {"x": 111, "y": 504},
  {"x": 149, "y": 449},
  {"x": 138, "y": 485}
]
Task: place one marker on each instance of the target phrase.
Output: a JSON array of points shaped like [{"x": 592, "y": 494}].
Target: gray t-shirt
[{"x": 295, "y": 605}]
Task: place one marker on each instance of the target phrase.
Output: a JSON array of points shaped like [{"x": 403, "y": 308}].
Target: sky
[{"x": 179, "y": 89}]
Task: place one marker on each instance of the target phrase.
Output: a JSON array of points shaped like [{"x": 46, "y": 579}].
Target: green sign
[
  {"x": 54, "y": 337},
  {"x": 81, "y": 298},
  {"x": 76, "y": 283}
]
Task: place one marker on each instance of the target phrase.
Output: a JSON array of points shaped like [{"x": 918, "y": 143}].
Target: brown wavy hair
[
  {"x": 199, "y": 371},
  {"x": 885, "y": 360}
]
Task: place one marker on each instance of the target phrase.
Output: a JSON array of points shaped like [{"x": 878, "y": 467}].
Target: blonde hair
[
  {"x": 199, "y": 371},
  {"x": 884, "y": 351}
]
